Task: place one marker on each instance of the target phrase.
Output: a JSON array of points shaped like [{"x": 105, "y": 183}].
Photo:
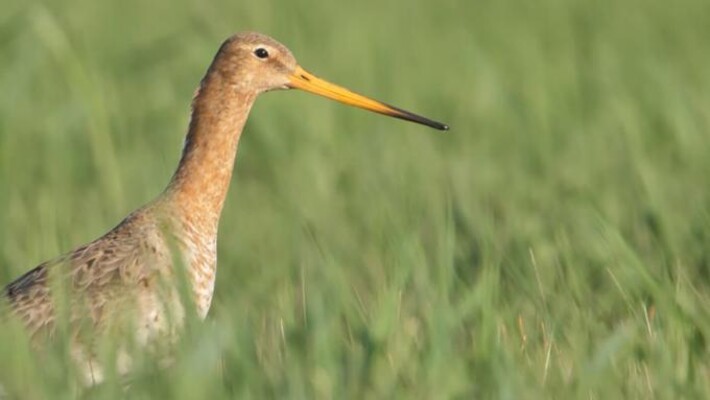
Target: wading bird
[{"x": 127, "y": 275}]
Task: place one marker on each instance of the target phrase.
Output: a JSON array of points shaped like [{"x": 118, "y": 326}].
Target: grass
[{"x": 553, "y": 244}]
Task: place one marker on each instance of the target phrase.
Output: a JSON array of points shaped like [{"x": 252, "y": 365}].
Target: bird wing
[{"x": 96, "y": 272}]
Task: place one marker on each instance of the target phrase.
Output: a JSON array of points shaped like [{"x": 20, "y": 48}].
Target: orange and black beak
[{"x": 300, "y": 79}]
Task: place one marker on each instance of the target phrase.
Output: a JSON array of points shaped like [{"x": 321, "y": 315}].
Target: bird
[{"x": 128, "y": 277}]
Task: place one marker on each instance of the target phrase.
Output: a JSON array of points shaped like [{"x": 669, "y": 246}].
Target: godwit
[{"x": 129, "y": 270}]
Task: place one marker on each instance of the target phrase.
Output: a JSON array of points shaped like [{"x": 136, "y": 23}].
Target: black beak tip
[
  {"x": 437, "y": 125},
  {"x": 408, "y": 116}
]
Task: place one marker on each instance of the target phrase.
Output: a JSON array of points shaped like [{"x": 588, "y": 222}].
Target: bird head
[{"x": 256, "y": 63}]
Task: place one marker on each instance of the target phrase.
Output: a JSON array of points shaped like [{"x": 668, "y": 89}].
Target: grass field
[{"x": 554, "y": 244}]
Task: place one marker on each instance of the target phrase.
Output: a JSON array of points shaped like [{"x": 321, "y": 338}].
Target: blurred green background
[{"x": 554, "y": 244}]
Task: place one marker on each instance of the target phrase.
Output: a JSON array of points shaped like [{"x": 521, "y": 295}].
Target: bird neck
[{"x": 199, "y": 187}]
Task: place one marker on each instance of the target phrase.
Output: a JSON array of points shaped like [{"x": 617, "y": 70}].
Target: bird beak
[{"x": 300, "y": 79}]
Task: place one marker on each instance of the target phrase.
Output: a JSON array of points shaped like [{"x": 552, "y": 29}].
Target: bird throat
[{"x": 199, "y": 186}]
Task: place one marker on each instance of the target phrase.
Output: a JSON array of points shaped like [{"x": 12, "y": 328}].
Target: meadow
[{"x": 554, "y": 244}]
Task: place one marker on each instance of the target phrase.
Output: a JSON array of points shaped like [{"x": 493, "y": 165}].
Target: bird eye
[{"x": 261, "y": 52}]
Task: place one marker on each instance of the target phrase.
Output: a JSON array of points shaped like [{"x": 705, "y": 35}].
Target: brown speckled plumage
[{"x": 128, "y": 274}]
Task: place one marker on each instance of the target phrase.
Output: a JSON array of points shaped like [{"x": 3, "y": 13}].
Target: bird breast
[{"x": 199, "y": 250}]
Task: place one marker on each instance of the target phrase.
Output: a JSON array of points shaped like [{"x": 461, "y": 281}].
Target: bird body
[
  {"x": 131, "y": 257},
  {"x": 127, "y": 277}
]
